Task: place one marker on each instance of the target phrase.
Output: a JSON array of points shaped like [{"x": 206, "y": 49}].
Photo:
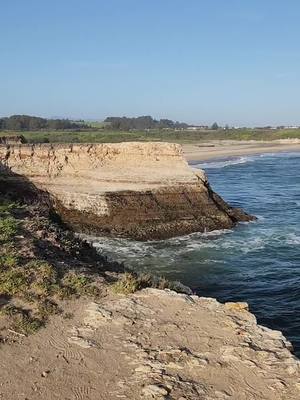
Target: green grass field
[{"x": 108, "y": 136}]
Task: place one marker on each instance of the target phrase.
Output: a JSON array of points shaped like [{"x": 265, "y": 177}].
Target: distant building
[{"x": 197, "y": 128}]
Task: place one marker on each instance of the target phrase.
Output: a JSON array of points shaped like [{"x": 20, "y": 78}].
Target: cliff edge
[
  {"x": 137, "y": 190},
  {"x": 152, "y": 345}
]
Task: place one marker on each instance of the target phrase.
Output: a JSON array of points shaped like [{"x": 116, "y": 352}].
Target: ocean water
[{"x": 257, "y": 262}]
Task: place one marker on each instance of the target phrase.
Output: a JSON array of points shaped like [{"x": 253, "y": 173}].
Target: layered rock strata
[{"x": 137, "y": 190}]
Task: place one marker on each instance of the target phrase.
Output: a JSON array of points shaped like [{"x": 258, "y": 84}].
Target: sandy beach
[{"x": 229, "y": 148}]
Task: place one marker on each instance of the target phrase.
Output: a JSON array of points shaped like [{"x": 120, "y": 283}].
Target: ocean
[{"x": 257, "y": 262}]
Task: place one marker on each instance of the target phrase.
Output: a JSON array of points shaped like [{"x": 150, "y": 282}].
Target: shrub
[
  {"x": 8, "y": 261},
  {"x": 21, "y": 321},
  {"x": 8, "y": 228},
  {"x": 25, "y": 324},
  {"x": 131, "y": 282},
  {"x": 47, "y": 308},
  {"x": 43, "y": 277},
  {"x": 127, "y": 284},
  {"x": 13, "y": 281},
  {"x": 78, "y": 284}
]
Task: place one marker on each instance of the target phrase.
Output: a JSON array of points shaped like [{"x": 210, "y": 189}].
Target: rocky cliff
[{"x": 137, "y": 190}]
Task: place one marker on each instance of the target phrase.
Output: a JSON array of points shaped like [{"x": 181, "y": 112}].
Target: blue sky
[{"x": 199, "y": 61}]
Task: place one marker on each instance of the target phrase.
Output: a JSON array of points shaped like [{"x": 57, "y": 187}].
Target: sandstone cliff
[
  {"x": 152, "y": 345},
  {"x": 137, "y": 190}
]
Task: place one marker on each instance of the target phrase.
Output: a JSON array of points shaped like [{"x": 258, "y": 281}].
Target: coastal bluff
[{"x": 137, "y": 190}]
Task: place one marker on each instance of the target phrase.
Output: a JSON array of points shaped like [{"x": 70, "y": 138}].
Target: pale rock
[{"x": 137, "y": 190}]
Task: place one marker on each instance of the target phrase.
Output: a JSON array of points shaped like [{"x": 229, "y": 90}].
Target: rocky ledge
[
  {"x": 153, "y": 345},
  {"x": 137, "y": 190}
]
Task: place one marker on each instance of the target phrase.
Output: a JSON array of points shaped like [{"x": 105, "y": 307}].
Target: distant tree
[
  {"x": 141, "y": 123},
  {"x": 30, "y": 123},
  {"x": 166, "y": 123},
  {"x": 14, "y": 123},
  {"x": 36, "y": 123},
  {"x": 215, "y": 126}
]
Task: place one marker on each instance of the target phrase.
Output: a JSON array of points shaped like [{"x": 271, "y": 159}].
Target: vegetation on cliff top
[
  {"x": 122, "y": 129},
  {"x": 41, "y": 265},
  {"x": 131, "y": 282},
  {"x": 155, "y": 135}
]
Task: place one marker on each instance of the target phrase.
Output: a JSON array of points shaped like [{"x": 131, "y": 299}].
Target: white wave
[
  {"x": 197, "y": 235},
  {"x": 248, "y": 246},
  {"x": 293, "y": 239},
  {"x": 280, "y": 154},
  {"x": 225, "y": 163}
]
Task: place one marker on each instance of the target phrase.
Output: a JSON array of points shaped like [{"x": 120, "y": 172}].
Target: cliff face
[{"x": 137, "y": 190}]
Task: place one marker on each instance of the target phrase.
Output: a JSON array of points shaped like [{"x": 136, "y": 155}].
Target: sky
[{"x": 236, "y": 62}]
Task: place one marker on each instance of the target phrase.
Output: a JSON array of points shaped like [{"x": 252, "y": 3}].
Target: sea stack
[{"x": 143, "y": 191}]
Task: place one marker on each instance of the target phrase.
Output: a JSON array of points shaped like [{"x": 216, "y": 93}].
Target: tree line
[
  {"x": 142, "y": 123},
  {"x": 30, "y": 123}
]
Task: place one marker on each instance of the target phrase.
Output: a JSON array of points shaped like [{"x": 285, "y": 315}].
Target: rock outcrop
[
  {"x": 137, "y": 190},
  {"x": 152, "y": 345}
]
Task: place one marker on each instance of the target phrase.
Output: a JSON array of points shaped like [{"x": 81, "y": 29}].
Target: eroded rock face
[{"x": 137, "y": 190}]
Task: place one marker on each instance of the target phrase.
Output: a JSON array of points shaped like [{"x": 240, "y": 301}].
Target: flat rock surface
[
  {"x": 100, "y": 168},
  {"x": 151, "y": 345}
]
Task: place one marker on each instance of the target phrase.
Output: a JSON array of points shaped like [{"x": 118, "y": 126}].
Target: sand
[{"x": 229, "y": 148}]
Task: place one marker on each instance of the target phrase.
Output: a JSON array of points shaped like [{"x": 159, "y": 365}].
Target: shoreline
[{"x": 228, "y": 148}]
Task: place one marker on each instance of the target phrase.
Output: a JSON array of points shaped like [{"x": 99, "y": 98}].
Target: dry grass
[
  {"x": 132, "y": 282},
  {"x": 35, "y": 285}
]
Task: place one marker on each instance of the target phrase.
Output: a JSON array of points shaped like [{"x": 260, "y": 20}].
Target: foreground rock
[
  {"x": 137, "y": 190},
  {"x": 152, "y": 345}
]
